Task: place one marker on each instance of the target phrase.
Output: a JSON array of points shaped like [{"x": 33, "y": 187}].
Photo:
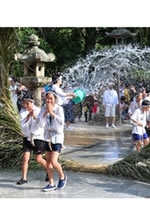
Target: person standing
[
  {"x": 89, "y": 102},
  {"x": 22, "y": 91},
  {"x": 148, "y": 114},
  {"x": 127, "y": 93},
  {"x": 123, "y": 108},
  {"x": 33, "y": 137},
  {"x": 69, "y": 114},
  {"x": 139, "y": 120},
  {"x": 13, "y": 92},
  {"x": 110, "y": 101},
  {"x": 51, "y": 119},
  {"x": 135, "y": 103},
  {"x": 61, "y": 95}
]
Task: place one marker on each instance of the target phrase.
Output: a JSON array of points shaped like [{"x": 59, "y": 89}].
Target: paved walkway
[
  {"x": 86, "y": 144},
  {"x": 80, "y": 185}
]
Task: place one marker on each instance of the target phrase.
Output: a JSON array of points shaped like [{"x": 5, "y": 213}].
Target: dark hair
[
  {"x": 55, "y": 78},
  {"x": 122, "y": 98},
  {"x": 27, "y": 96},
  {"x": 145, "y": 103},
  {"x": 51, "y": 92},
  {"x": 147, "y": 90}
]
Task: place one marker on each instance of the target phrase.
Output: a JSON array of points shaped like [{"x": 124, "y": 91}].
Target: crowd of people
[
  {"x": 134, "y": 105},
  {"x": 43, "y": 128}
]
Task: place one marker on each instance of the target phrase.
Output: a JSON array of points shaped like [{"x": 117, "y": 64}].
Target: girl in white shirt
[
  {"x": 138, "y": 119},
  {"x": 33, "y": 136},
  {"x": 51, "y": 118}
]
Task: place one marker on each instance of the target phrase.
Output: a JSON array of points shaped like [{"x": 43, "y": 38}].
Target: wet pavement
[
  {"x": 86, "y": 144},
  {"x": 98, "y": 145}
]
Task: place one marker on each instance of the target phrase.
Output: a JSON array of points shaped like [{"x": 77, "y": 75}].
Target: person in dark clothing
[
  {"x": 22, "y": 91},
  {"x": 88, "y": 104},
  {"x": 78, "y": 110},
  {"x": 69, "y": 113}
]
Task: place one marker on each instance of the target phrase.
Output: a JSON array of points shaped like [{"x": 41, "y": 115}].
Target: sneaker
[
  {"x": 69, "y": 128},
  {"x": 107, "y": 126},
  {"x": 46, "y": 178},
  {"x": 49, "y": 188},
  {"x": 62, "y": 183},
  {"x": 113, "y": 126},
  {"x": 21, "y": 182}
]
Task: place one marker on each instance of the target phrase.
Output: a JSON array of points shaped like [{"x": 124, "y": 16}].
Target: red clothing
[{"x": 94, "y": 109}]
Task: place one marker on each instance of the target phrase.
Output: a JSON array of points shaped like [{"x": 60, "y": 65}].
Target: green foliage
[
  {"x": 10, "y": 133},
  {"x": 9, "y": 117},
  {"x": 143, "y": 36},
  {"x": 135, "y": 166},
  {"x": 7, "y": 49},
  {"x": 68, "y": 44},
  {"x": 23, "y": 38},
  {"x": 141, "y": 75}
]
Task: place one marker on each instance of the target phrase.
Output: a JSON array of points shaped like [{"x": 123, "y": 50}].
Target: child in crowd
[
  {"x": 85, "y": 109},
  {"x": 135, "y": 103},
  {"x": 51, "y": 119},
  {"x": 123, "y": 108},
  {"x": 138, "y": 119}
]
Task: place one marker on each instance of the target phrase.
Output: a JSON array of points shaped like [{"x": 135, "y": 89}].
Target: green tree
[
  {"x": 7, "y": 49},
  {"x": 143, "y": 36}
]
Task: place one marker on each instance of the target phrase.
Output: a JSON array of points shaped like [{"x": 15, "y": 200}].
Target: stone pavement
[
  {"x": 79, "y": 185},
  {"x": 86, "y": 144}
]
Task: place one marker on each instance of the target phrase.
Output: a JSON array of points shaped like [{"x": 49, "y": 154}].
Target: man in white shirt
[{"x": 110, "y": 101}]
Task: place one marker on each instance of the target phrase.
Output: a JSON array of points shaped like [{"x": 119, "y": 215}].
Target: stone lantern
[
  {"x": 121, "y": 34},
  {"x": 34, "y": 60}
]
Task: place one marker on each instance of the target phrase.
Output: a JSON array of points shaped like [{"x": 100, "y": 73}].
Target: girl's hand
[
  {"x": 50, "y": 108},
  {"x": 31, "y": 114}
]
